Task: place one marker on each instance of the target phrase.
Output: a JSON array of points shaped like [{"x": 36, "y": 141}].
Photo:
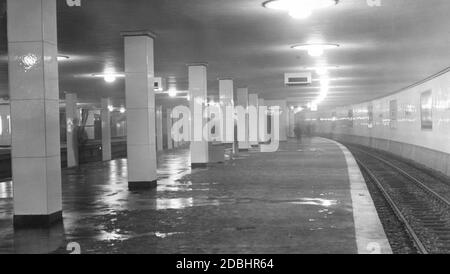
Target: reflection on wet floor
[{"x": 195, "y": 211}]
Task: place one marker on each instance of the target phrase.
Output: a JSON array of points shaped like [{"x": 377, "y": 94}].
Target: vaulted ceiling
[{"x": 382, "y": 49}]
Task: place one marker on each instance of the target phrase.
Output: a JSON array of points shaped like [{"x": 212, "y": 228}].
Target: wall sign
[{"x": 426, "y": 110}]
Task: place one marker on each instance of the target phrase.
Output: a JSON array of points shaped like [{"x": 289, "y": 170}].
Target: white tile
[
  {"x": 49, "y": 21},
  {"x": 54, "y": 192},
  {"x": 51, "y": 84},
  {"x": 137, "y": 91},
  {"x": 30, "y": 186},
  {"x": 138, "y": 126},
  {"x": 141, "y": 163},
  {"x": 28, "y": 128},
  {"x": 24, "y": 20},
  {"x": 136, "y": 51},
  {"x": 52, "y": 128},
  {"x": 26, "y": 71}
]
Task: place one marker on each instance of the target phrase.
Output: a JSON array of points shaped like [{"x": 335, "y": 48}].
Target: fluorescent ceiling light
[
  {"x": 63, "y": 58},
  {"x": 315, "y": 50},
  {"x": 109, "y": 77},
  {"x": 299, "y": 9}
]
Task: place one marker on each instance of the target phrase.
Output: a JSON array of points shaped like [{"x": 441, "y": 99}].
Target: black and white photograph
[{"x": 224, "y": 134}]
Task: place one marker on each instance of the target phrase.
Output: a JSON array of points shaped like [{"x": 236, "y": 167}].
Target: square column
[
  {"x": 291, "y": 123},
  {"x": 140, "y": 104},
  {"x": 242, "y": 100},
  {"x": 34, "y": 93},
  {"x": 283, "y": 116},
  {"x": 254, "y": 102},
  {"x": 169, "y": 123},
  {"x": 72, "y": 126},
  {"x": 262, "y": 125},
  {"x": 106, "y": 129},
  {"x": 226, "y": 97},
  {"x": 159, "y": 129},
  {"x": 198, "y": 93}
]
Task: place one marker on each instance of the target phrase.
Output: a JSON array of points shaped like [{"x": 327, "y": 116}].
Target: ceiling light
[
  {"x": 122, "y": 110},
  {"x": 315, "y": 50},
  {"x": 172, "y": 92},
  {"x": 110, "y": 108},
  {"x": 300, "y": 13},
  {"x": 299, "y": 9},
  {"x": 62, "y": 58},
  {"x": 109, "y": 78}
]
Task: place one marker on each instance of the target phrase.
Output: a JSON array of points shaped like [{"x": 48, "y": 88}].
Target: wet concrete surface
[{"x": 296, "y": 200}]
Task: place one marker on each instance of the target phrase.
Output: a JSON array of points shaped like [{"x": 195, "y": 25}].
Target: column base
[
  {"x": 199, "y": 165},
  {"x": 142, "y": 185},
  {"x": 37, "y": 221}
]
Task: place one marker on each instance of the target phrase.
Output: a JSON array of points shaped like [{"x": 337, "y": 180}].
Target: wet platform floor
[{"x": 296, "y": 200}]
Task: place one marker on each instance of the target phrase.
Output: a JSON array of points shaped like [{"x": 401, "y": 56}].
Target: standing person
[{"x": 298, "y": 133}]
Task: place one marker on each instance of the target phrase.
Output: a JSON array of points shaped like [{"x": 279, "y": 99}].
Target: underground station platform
[
  {"x": 245, "y": 129},
  {"x": 304, "y": 198}
]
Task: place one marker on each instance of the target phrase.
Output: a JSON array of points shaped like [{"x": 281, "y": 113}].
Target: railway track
[{"x": 421, "y": 205}]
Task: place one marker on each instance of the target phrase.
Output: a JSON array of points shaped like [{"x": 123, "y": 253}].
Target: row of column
[
  {"x": 73, "y": 120},
  {"x": 34, "y": 92}
]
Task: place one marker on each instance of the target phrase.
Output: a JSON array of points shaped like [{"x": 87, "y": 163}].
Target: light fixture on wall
[
  {"x": 315, "y": 50},
  {"x": 61, "y": 58},
  {"x": 299, "y": 9}
]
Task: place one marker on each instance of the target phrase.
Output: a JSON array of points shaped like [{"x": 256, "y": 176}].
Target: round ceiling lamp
[
  {"x": 299, "y": 9},
  {"x": 315, "y": 50}
]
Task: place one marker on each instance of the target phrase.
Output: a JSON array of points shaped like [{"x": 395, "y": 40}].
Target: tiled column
[
  {"x": 72, "y": 123},
  {"x": 291, "y": 123},
  {"x": 169, "y": 129},
  {"x": 34, "y": 92},
  {"x": 198, "y": 93},
  {"x": 254, "y": 102},
  {"x": 262, "y": 127},
  {"x": 159, "y": 129},
  {"x": 226, "y": 97},
  {"x": 140, "y": 100},
  {"x": 283, "y": 114},
  {"x": 242, "y": 100},
  {"x": 106, "y": 129},
  {"x": 284, "y": 124}
]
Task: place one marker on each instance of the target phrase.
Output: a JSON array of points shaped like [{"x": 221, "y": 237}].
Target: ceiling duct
[{"x": 298, "y": 79}]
